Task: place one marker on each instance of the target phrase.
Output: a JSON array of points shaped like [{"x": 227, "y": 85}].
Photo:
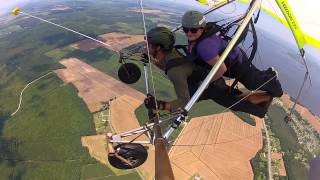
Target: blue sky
[{"x": 7, "y": 5}]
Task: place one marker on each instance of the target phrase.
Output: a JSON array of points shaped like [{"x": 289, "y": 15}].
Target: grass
[
  {"x": 6, "y": 169},
  {"x": 59, "y": 53},
  {"x": 259, "y": 164},
  {"x": 288, "y": 138},
  {"x": 8, "y": 30},
  {"x": 43, "y": 139},
  {"x": 47, "y": 170},
  {"x": 289, "y": 144},
  {"x": 95, "y": 171}
]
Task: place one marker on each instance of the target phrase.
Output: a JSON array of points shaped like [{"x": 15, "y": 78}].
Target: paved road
[
  {"x": 20, "y": 101},
  {"x": 269, "y": 150}
]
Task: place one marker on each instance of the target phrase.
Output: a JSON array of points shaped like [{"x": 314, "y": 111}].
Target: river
[{"x": 314, "y": 172}]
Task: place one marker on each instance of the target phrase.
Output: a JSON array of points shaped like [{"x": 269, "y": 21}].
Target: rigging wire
[
  {"x": 231, "y": 17},
  {"x": 148, "y": 52},
  {"x": 251, "y": 92},
  {"x": 232, "y": 11},
  {"x": 174, "y": 114},
  {"x": 272, "y": 6},
  {"x": 306, "y": 76},
  {"x": 68, "y": 29}
]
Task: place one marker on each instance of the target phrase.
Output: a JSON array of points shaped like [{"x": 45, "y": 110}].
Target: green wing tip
[{"x": 16, "y": 11}]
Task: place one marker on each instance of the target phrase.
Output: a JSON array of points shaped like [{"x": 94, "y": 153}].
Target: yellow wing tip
[{"x": 16, "y": 11}]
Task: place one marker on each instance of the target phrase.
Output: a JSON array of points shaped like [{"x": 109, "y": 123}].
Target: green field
[
  {"x": 39, "y": 142},
  {"x": 10, "y": 29},
  {"x": 259, "y": 163},
  {"x": 289, "y": 144}
]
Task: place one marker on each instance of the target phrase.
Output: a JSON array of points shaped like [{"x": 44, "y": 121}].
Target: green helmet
[
  {"x": 193, "y": 19},
  {"x": 161, "y": 36}
]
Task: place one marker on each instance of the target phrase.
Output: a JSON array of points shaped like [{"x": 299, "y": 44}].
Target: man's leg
[
  {"x": 218, "y": 92},
  {"x": 252, "y": 78}
]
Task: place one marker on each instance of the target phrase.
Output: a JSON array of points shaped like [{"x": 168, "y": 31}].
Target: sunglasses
[{"x": 192, "y": 30}]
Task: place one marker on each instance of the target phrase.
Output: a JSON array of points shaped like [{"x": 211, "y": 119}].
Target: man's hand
[
  {"x": 144, "y": 58},
  {"x": 151, "y": 103}
]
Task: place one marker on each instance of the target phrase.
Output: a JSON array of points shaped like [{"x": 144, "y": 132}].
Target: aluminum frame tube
[{"x": 146, "y": 77}]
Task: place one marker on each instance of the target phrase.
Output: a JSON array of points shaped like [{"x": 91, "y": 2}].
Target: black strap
[
  {"x": 251, "y": 57},
  {"x": 184, "y": 59}
]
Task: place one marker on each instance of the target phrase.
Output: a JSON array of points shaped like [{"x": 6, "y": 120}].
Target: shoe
[
  {"x": 274, "y": 86},
  {"x": 272, "y": 71}
]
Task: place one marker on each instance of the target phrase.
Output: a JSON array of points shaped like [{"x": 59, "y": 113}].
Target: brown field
[
  {"x": 216, "y": 147},
  {"x": 152, "y": 11},
  {"x": 124, "y": 119},
  {"x": 282, "y": 168},
  {"x": 86, "y": 45},
  {"x": 96, "y": 147},
  {"x": 119, "y": 41},
  {"x": 93, "y": 85},
  {"x": 304, "y": 112},
  {"x": 60, "y": 8},
  {"x": 115, "y": 40}
]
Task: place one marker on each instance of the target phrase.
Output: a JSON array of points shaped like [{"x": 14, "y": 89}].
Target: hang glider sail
[{"x": 282, "y": 11}]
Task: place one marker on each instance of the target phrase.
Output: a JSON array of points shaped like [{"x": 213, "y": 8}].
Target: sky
[
  {"x": 306, "y": 12},
  {"x": 7, "y": 5}
]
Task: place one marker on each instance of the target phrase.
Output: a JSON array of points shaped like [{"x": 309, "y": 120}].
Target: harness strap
[
  {"x": 176, "y": 62},
  {"x": 250, "y": 59}
]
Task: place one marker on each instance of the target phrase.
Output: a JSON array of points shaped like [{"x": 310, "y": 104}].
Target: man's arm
[
  {"x": 178, "y": 76},
  {"x": 220, "y": 71}
]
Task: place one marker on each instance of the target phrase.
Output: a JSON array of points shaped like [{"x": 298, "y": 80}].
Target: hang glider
[{"x": 126, "y": 154}]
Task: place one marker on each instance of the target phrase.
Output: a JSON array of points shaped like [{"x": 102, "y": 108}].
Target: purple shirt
[{"x": 212, "y": 46}]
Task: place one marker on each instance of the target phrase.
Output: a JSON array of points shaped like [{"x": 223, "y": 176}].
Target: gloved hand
[
  {"x": 145, "y": 58},
  {"x": 151, "y": 103}
]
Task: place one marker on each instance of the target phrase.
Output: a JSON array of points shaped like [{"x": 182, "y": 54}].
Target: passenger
[{"x": 207, "y": 47}]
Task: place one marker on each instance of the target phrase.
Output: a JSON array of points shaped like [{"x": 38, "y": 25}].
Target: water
[{"x": 314, "y": 172}]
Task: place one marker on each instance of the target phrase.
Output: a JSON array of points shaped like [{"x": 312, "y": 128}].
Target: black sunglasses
[{"x": 192, "y": 30}]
